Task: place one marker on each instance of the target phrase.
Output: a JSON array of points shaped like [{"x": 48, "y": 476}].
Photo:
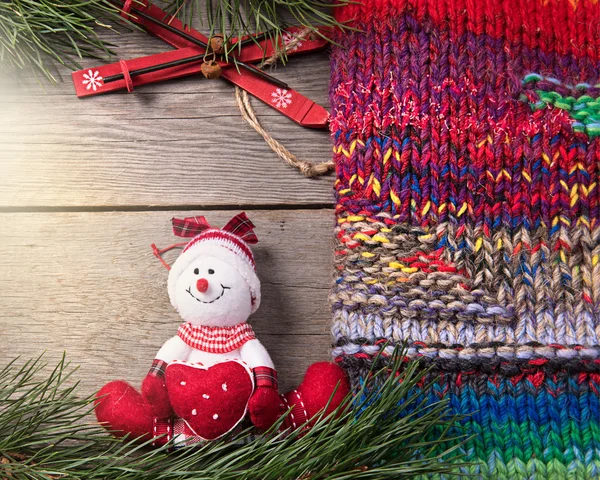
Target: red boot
[
  {"x": 314, "y": 393},
  {"x": 121, "y": 409}
]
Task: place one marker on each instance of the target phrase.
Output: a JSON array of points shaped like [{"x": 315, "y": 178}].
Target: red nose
[{"x": 202, "y": 285}]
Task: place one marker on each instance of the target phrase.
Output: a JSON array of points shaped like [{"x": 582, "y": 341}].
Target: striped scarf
[{"x": 215, "y": 339}]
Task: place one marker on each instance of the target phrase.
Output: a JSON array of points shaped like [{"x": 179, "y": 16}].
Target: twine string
[{"x": 308, "y": 169}]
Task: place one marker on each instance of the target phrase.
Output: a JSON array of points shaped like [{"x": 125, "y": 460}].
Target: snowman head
[{"x": 213, "y": 282}]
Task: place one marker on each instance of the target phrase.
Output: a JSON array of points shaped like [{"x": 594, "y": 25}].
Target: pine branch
[
  {"x": 387, "y": 431},
  {"x": 40, "y": 34},
  {"x": 238, "y": 18}
]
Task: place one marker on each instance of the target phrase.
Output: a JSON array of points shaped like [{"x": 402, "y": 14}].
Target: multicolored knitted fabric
[{"x": 467, "y": 144}]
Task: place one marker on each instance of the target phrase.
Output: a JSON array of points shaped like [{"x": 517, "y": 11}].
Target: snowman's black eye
[
  {"x": 210, "y": 271},
  {"x": 196, "y": 271}
]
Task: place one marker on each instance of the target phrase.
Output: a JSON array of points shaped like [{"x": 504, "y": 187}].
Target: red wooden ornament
[{"x": 91, "y": 81}]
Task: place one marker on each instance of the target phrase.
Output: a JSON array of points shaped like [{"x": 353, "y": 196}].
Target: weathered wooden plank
[
  {"x": 206, "y": 126},
  {"x": 157, "y": 146},
  {"x": 188, "y": 103},
  {"x": 307, "y": 73},
  {"x": 88, "y": 284},
  {"x": 223, "y": 169}
]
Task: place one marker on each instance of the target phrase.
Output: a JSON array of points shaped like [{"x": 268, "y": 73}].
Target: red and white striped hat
[{"x": 229, "y": 243}]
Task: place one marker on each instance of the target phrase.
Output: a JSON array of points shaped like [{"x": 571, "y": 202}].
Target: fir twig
[
  {"x": 386, "y": 432},
  {"x": 238, "y": 18},
  {"x": 39, "y": 34}
]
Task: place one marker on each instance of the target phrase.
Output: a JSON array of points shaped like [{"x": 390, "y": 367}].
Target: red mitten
[
  {"x": 123, "y": 411},
  {"x": 265, "y": 406},
  {"x": 320, "y": 381},
  {"x": 154, "y": 390},
  {"x": 315, "y": 393}
]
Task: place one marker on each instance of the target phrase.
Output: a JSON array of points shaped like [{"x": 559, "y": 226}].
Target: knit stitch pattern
[{"x": 467, "y": 149}]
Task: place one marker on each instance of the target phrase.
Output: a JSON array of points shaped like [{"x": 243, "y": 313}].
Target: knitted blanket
[{"x": 467, "y": 146}]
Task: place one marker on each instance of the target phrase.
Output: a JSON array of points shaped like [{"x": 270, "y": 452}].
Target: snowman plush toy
[{"x": 214, "y": 376}]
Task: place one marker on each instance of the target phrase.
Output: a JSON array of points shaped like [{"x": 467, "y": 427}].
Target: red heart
[{"x": 212, "y": 400}]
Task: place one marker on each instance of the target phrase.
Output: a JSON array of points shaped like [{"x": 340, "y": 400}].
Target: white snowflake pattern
[
  {"x": 288, "y": 38},
  {"x": 281, "y": 98},
  {"x": 93, "y": 80}
]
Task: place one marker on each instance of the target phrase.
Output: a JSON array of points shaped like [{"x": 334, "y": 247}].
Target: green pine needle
[
  {"x": 235, "y": 19},
  {"x": 45, "y": 433},
  {"x": 43, "y": 34},
  {"x": 40, "y": 34}
]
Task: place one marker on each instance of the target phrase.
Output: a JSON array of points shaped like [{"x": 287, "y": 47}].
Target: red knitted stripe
[{"x": 559, "y": 26}]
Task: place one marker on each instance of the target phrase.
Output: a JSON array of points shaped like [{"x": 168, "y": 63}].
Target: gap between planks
[{"x": 163, "y": 208}]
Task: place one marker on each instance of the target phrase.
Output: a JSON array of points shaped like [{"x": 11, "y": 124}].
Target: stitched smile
[{"x": 189, "y": 290}]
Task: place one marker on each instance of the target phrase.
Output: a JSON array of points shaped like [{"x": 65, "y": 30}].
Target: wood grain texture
[
  {"x": 81, "y": 277},
  {"x": 88, "y": 284},
  {"x": 181, "y": 142}
]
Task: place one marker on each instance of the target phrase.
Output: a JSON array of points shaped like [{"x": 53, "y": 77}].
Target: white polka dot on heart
[
  {"x": 215, "y": 416},
  {"x": 194, "y": 412}
]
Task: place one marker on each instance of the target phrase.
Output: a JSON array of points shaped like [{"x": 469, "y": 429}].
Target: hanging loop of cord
[{"x": 308, "y": 169}]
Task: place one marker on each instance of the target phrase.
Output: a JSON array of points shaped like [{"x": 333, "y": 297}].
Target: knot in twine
[{"x": 308, "y": 169}]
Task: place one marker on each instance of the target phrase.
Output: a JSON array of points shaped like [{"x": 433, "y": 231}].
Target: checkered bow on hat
[{"x": 240, "y": 225}]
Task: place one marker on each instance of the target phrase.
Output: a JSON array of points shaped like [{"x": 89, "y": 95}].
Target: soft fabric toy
[{"x": 205, "y": 380}]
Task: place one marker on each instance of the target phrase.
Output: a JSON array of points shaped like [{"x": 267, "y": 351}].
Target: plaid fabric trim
[
  {"x": 265, "y": 377},
  {"x": 216, "y": 339},
  {"x": 184, "y": 436},
  {"x": 189, "y": 226},
  {"x": 158, "y": 368},
  {"x": 240, "y": 226}
]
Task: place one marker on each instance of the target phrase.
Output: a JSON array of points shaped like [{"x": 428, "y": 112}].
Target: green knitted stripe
[
  {"x": 517, "y": 469},
  {"x": 584, "y": 109}
]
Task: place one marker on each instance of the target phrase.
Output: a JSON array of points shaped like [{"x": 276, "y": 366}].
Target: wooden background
[{"x": 87, "y": 185}]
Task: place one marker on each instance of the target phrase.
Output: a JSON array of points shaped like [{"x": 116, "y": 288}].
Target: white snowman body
[
  {"x": 213, "y": 289},
  {"x": 214, "y": 373},
  {"x": 252, "y": 353}
]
